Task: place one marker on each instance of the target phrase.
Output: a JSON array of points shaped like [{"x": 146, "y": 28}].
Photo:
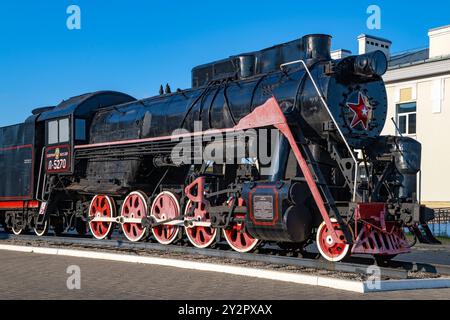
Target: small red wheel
[
  {"x": 200, "y": 236},
  {"x": 135, "y": 207},
  {"x": 101, "y": 207},
  {"x": 328, "y": 248},
  {"x": 236, "y": 236},
  {"x": 165, "y": 207}
]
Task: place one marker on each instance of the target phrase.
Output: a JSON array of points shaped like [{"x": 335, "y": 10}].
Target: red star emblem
[{"x": 362, "y": 111}]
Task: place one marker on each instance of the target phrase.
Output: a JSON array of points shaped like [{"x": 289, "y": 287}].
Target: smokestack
[{"x": 317, "y": 46}]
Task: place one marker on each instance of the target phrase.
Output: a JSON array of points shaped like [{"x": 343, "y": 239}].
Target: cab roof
[{"x": 85, "y": 105}]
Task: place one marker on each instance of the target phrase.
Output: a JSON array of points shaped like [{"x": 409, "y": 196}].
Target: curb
[{"x": 298, "y": 278}]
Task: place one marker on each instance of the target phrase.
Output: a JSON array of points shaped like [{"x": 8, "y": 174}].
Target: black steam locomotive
[{"x": 280, "y": 145}]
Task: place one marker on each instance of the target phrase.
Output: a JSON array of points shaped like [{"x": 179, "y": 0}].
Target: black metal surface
[
  {"x": 257, "y": 63},
  {"x": 223, "y": 93},
  {"x": 222, "y": 105},
  {"x": 84, "y": 105},
  {"x": 225, "y": 101},
  {"x": 273, "y": 215},
  {"x": 17, "y": 157}
]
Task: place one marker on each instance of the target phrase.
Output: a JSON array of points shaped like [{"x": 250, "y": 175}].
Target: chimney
[
  {"x": 317, "y": 46},
  {"x": 340, "y": 54},
  {"x": 439, "y": 42},
  {"x": 370, "y": 43}
]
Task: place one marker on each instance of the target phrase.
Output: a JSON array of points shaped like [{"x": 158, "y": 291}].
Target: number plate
[
  {"x": 263, "y": 207},
  {"x": 58, "y": 159}
]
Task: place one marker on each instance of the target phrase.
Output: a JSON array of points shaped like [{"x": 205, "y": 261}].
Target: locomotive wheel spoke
[
  {"x": 236, "y": 235},
  {"x": 101, "y": 206},
  {"x": 199, "y": 236},
  {"x": 134, "y": 207},
  {"x": 330, "y": 250},
  {"x": 166, "y": 206}
]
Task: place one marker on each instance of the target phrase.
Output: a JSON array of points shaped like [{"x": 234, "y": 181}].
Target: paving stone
[{"x": 34, "y": 276}]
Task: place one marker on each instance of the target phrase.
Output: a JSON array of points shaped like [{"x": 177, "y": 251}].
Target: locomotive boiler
[{"x": 281, "y": 145}]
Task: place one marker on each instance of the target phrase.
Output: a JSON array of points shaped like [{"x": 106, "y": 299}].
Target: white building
[{"x": 418, "y": 88}]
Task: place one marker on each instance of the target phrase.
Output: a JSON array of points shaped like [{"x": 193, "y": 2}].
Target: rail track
[{"x": 394, "y": 269}]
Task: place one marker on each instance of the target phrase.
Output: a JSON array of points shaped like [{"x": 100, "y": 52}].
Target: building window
[{"x": 406, "y": 118}]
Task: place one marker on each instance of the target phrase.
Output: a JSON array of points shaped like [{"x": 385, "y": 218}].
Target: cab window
[
  {"x": 53, "y": 132},
  {"x": 58, "y": 131},
  {"x": 64, "y": 130},
  {"x": 80, "y": 129}
]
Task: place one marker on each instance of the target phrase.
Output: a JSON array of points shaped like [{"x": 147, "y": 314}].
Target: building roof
[
  {"x": 439, "y": 28},
  {"x": 409, "y": 58},
  {"x": 416, "y": 64},
  {"x": 341, "y": 50},
  {"x": 374, "y": 37}
]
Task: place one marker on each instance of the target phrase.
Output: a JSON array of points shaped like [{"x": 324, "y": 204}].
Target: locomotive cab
[{"x": 67, "y": 125}]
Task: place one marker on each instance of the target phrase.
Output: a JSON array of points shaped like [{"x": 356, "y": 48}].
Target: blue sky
[{"x": 134, "y": 46}]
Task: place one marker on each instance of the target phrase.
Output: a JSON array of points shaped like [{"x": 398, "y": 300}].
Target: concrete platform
[{"x": 36, "y": 276}]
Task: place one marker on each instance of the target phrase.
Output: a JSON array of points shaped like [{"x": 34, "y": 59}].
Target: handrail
[
  {"x": 332, "y": 118},
  {"x": 39, "y": 177}
]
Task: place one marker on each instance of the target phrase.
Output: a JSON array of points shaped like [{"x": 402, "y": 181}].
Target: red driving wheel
[
  {"x": 328, "y": 248},
  {"x": 199, "y": 236},
  {"x": 165, "y": 207},
  {"x": 101, "y": 207},
  {"x": 134, "y": 207},
  {"x": 236, "y": 236}
]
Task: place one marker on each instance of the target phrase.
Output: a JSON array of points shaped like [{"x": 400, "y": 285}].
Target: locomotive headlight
[{"x": 370, "y": 64}]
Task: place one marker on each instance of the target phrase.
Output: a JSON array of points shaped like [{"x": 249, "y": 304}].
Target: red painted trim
[
  {"x": 56, "y": 147},
  {"x": 284, "y": 128},
  {"x": 262, "y": 116},
  {"x": 156, "y": 139},
  {"x": 17, "y": 147},
  {"x": 270, "y": 114},
  {"x": 13, "y": 198},
  {"x": 372, "y": 210},
  {"x": 200, "y": 184},
  {"x": 250, "y": 208},
  {"x": 19, "y": 204}
]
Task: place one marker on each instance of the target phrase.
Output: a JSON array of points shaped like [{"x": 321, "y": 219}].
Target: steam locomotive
[{"x": 191, "y": 164}]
